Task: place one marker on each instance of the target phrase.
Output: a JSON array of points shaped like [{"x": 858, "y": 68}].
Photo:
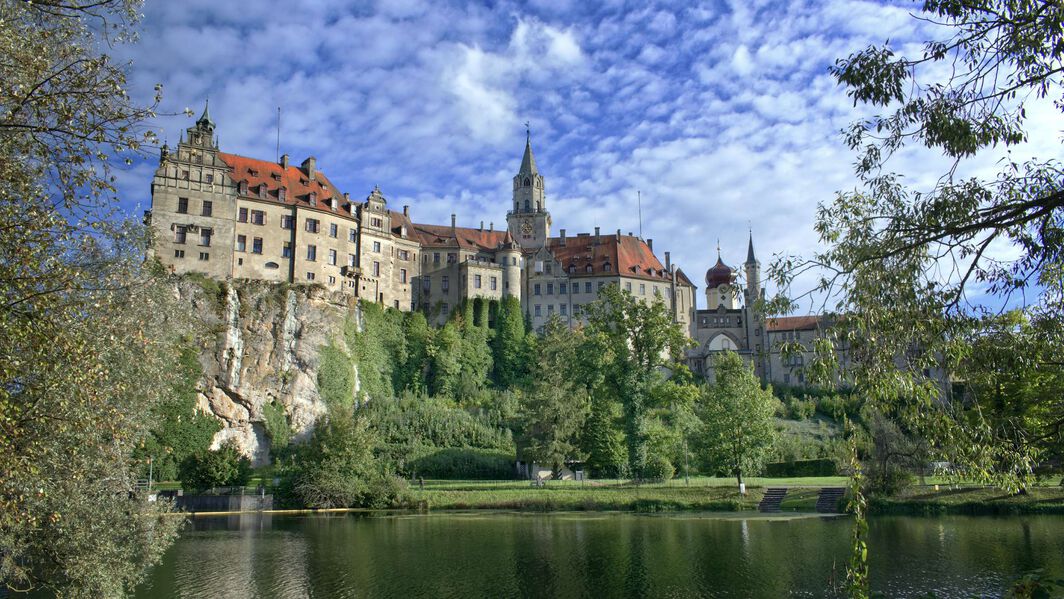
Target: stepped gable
[
  {"x": 793, "y": 323},
  {"x": 628, "y": 256},
  {"x": 461, "y": 237},
  {"x": 297, "y": 184}
]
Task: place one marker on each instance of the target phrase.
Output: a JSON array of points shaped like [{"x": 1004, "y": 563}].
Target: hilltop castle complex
[{"x": 233, "y": 217}]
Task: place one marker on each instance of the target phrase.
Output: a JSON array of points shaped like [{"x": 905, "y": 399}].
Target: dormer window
[
  {"x": 606, "y": 267},
  {"x": 590, "y": 268},
  {"x": 572, "y": 269},
  {"x": 243, "y": 188},
  {"x": 313, "y": 198},
  {"x": 281, "y": 194},
  {"x": 262, "y": 190}
]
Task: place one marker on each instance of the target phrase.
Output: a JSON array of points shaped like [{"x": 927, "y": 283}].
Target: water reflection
[{"x": 594, "y": 555}]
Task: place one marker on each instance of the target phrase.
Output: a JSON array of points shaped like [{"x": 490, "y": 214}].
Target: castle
[{"x": 233, "y": 217}]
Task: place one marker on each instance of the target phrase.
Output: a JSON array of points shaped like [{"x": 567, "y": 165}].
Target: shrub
[
  {"x": 658, "y": 467},
  {"x": 800, "y": 409},
  {"x": 275, "y": 422},
  {"x": 335, "y": 377},
  {"x": 224, "y": 467}
]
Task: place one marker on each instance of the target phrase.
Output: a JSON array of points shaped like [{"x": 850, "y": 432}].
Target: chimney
[
  {"x": 650, "y": 244},
  {"x": 629, "y": 233},
  {"x": 562, "y": 231},
  {"x": 596, "y": 235},
  {"x": 454, "y": 220},
  {"x": 491, "y": 226},
  {"x": 309, "y": 165},
  {"x": 284, "y": 161},
  {"x": 481, "y": 225},
  {"x": 618, "y": 234},
  {"x": 406, "y": 210},
  {"x": 668, "y": 262},
  {"x": 347, "y": 196}
]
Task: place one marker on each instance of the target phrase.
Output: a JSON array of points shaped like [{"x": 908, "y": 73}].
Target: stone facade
[{"x": 233, "y": 217}]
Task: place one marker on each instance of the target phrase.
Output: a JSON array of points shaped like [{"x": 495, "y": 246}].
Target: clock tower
[{"x": 528, "y": 220}]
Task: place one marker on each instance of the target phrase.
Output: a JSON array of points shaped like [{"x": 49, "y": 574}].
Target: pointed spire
[
  {"x": 750, "y": 259},
  {"x": 528, "y": 161},
  {"x": 205, "y": 118}
]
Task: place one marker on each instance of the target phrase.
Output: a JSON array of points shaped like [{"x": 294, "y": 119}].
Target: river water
[{"x": 598, "y": 555}]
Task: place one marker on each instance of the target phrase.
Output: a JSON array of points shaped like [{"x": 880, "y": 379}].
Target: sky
[{"x": 722, "y": 116}]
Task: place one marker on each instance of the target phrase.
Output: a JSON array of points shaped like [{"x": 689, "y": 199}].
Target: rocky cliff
[{"x": 260, "y": 343}]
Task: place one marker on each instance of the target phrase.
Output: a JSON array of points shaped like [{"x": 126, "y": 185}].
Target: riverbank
[{"x": 970, "y": 500}]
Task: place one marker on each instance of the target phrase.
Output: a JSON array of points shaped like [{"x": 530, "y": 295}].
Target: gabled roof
[
  {"x": 793, "y": 323},
  {"x": 444, "y": 236},
  {"x": 296, "y": 182}
]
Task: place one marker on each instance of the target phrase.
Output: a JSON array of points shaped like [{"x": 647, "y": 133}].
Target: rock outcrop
[{"x": 260, "y": 343}]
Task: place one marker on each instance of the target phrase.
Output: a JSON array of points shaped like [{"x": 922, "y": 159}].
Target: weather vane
[{"x": 528, "y": 131}]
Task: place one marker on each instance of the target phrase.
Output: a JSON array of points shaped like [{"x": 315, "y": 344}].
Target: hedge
[{"x": 819, "y": 467}]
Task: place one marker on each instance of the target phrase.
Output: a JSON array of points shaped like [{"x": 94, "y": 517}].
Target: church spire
[{"x": 750, "y": 259}]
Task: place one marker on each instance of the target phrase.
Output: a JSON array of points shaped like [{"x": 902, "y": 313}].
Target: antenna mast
[
  {"x": 278, "y": 134},
  {"x": 639, "y": 202}
]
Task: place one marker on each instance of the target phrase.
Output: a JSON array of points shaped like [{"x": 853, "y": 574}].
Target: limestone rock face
[{"x": 260, "y": 343}]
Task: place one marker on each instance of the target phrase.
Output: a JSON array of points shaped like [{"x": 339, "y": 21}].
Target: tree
[
  {"x": 907, "y": 267},
  {"x": 86, "y": 339},
  {"x": 337, "y": 468},
  {"x": 639, "y": 344},
  {"x": 556, "y": 406},
  {"x": 222, "y": 467},
  {"x": 508, "y": 345},
  {"x": 738, "y": 417}
]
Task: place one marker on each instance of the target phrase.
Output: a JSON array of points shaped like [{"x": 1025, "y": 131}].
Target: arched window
[{"x": 527, "y": 182}]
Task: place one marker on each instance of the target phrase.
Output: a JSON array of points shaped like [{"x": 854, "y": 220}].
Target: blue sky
[{"x": 721, "y": 114}]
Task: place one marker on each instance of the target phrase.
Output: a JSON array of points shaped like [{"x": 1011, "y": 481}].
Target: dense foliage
[
  {"x": 86, "y": 331},
  {"x": 222, "y": 467}
]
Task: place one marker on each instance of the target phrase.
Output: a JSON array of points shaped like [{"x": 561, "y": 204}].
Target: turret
[{"x": 508, "y": 256}]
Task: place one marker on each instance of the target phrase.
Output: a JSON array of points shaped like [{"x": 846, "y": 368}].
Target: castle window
[
  {"x": 547, "y": 268},
  {"x": 182, "y": 205},
  {"x": 242, "y": 187},
  {"x": 527, "y": 182},
  {"x": 561, "y": 288},
  {"x": 241, "y": 243},
  {"x": 590, "y": 268},
  {"x": 350, "y": 259},
  {"x": 445, "y": 283},
  {"x": 607, "y": 267},
  {"x": 572, "y": 269},
  {"x": 535, "y": 289},
  {"x": 288, "y": 222},
  {"x": 377, "y": 246},
  {"x": 312, "y": 253},
  {"x": 179, "y": 234},
  {"x": 205, "y": 237},
  {"x": 376, "y": 222},
  {"x": 562, "y": 309},
  {"x": 262, "y": 190},
  {"x": 333, "y": 230},
  {"x": 286, "y": 251},
  {"x": 351, "y": 235},
  {"x": 332, "y": 280},
  {"x": 494, "y": 283},
  {"x": 184, "y": 175},
  {"x": 312, "y": 225},
  {"x": 256, "y": 245},
  {"x": 204, "y": 256},
  {"x": 550, "y": 288},
  {"x": 402, "y": 275},
  {"x": 258, "y": 217},
  {"x": 313, "y": 199},
  {"x": 587, "y": 287},
  {"x": 281, "y": 193},
  {"x": 426, "y": 284},
  {"x": 538, "y": 313},
  {"x": 376, "y": 269},
  {"x": 208, "y": 208},
  {"x": 332, "y": 257},
  {"x": 310, "y": 276},
  {"x": 550, "y": 309},
  {"x": 628, "y": 286},
  {"x": 452, "y": 257},
  {"x": 435, "y": 257},
  {"x": 642, "y": 289},
  {"x": 179, "y": 253},
  {"x": 476, "y": 281},
  {"x": 210, "y": 178},
  {"x": 242, "y": 215}
]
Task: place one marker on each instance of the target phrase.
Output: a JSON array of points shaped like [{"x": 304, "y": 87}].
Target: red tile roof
[
  {"x": 461, "y": 237},
  {"x": 294, "y": 180},
  {"x": 792, "y": 323},
  {"x": 627, "y": 256}
]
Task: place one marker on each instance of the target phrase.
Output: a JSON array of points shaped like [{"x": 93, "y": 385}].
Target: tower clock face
[{"x": 526, "y": 228}]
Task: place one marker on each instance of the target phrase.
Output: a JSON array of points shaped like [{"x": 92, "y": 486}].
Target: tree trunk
[{"x": 739, "y": 477}]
